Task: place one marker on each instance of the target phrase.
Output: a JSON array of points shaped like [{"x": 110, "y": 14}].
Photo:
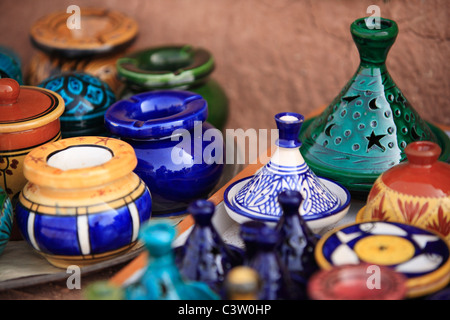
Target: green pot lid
[
  {"x": 166, "y": 67},
  {"x": 365, "y": 129}
]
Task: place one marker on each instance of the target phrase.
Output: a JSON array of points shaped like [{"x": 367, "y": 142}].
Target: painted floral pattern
[
  {"x": 411, "y": 210},
  {"x": 6, "y": 169},
  {"x": 442, "y": 224}
]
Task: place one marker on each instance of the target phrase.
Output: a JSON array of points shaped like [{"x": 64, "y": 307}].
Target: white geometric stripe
[
  {"x": 83, "y": 234},
  {"x": 135, "y": 219},
  {"x": 30, "y": 229}
]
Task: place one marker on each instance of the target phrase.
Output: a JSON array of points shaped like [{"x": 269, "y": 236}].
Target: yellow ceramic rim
[
  {"x": 38, "y": 122},
  {"x": 37, "y": 171},
  {"x": 423, "y": 285}
]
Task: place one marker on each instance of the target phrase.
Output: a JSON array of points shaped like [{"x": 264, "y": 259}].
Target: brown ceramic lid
[
  {"x": 422, "y": 175},
  {"x": 25, "y": 107},
  {"x": 101, "y": 31}
]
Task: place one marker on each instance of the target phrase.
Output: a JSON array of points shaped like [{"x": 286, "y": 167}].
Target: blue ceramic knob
[
  {"x": 262, "y": 256},
  {"x": 161, "y": 279},
  {"x": 166, "y": 129},
  {"x": 205, "y": 256},
  {"x": 10, "y": 65},
  {"x": 86, "y": 100}
]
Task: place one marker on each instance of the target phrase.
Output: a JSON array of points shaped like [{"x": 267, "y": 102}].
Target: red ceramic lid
[
  {"x": 422, "y": 175},
  {"x": 357, "y": 282},
  {"x": 25, "y": 107}
]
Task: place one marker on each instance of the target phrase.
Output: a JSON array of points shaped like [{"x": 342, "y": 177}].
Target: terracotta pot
[
  {"x": 29, "y": 118},
  {"x": 415, "y": 192}
]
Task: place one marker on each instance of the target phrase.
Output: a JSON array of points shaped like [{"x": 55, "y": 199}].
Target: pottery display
[
  {"x": 103, "y": 36},
  {"x": 297, "y": 241},
  {"x": 86, "y": 100},
  {"x": 175, "y": 67},
  {"x": 82, "y": 203},
  {"x": 205, "y": 257},
  {"x": 10, "y": 64},
  {"x": 261, "y": 255},
  {"x": 29, "y": 118},
  {"x": 366, "y": 128},
  {"x": 256, "y": 197},
  {"x": 242, "y": 283},
  {"x": 415, "y": 192},
  {"x": 350, "y": 282},
  {"x": 421, "y": 255},
  {"x": 6, "y": 219},
  {"x": 161, "y": 279},
  {"x": 166, "y": 129}
]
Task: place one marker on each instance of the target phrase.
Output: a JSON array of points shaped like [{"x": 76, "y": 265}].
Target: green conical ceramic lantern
[
  {"x": 177, "y": 67},
  {"x": 366, "y": 128}
]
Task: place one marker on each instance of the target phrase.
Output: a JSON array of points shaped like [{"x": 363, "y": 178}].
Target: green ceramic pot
[
  {"x": 175, "y": 67},
  {"x": 365, "y": 129}
]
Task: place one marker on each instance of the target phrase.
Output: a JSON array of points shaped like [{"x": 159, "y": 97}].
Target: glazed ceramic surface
[
  {"x": 297, "y": 241},
  {"x": 420, "y": 255},
  {"x": 44, "y": 66},
  {"x": 350, "y": 282},
  {"x": 86, "y": 100},
  {"x": 256, "y": 197},
  {"x": 29, "y": 118},
  {"x": 10, "y": 65},
  {"x": 175, "y": 67},
  {"x": 262, "y": 255},
  {"x": 365, "y": 129},
  {"x": 6, "y": 219},
  {"x": 101, "y": 31},
  {"x": 161, "y": 279},
  {"x": 166, "y": 129},
  {"x": 205, "y": 256},
  {"x": 82, "y": 203},
  {"x": 415, "y": 192}
]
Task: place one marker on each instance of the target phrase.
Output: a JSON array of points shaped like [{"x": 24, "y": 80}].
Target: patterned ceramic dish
[
  {"x": 256, "y": 197},
  {"x": 420, "y": 255},
  {"x": 6, "y": 219}
]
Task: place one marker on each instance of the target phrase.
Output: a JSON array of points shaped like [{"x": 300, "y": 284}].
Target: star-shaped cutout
[{"x": 374, "y": 140}]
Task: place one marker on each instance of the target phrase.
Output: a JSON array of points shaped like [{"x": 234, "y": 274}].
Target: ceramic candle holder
[
  {"x": 175, "y": 67},
  {"x": 29, "y": 118},
  {"x": 166, "y": 130},
  {"x": 415, "y": 192},
  {"x": 256, "y": 197},
  {"x": 82, "y": 203},
  {"x": 86, "y": 100},
  {"x": 93, "y": 46},
  {"x": 366, "y": 128}
]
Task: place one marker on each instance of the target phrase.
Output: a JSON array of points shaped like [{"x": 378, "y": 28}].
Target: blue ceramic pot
[
  {"x": 86, "y": 100},
  {"x": 10, "y": 65},
  {"x": 175, "y": 159}
]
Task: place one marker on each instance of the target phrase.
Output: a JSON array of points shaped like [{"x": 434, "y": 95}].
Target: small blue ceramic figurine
[
  {"x": 10, "y": 65},
  {"x": 86, "y": 100},
  {"x": 262, "y": 256},
  {"x": 205, "y": 256},
  {"x": 177, "y": 160},
  {"x": 297, "y": 241},
  {"x": 162, "y": 279}
]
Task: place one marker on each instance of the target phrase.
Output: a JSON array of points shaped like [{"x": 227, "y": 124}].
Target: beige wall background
[{"x": 278, "y": 55}]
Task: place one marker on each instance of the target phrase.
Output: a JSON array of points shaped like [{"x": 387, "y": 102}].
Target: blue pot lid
[{"x": 156, "y": 114}]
